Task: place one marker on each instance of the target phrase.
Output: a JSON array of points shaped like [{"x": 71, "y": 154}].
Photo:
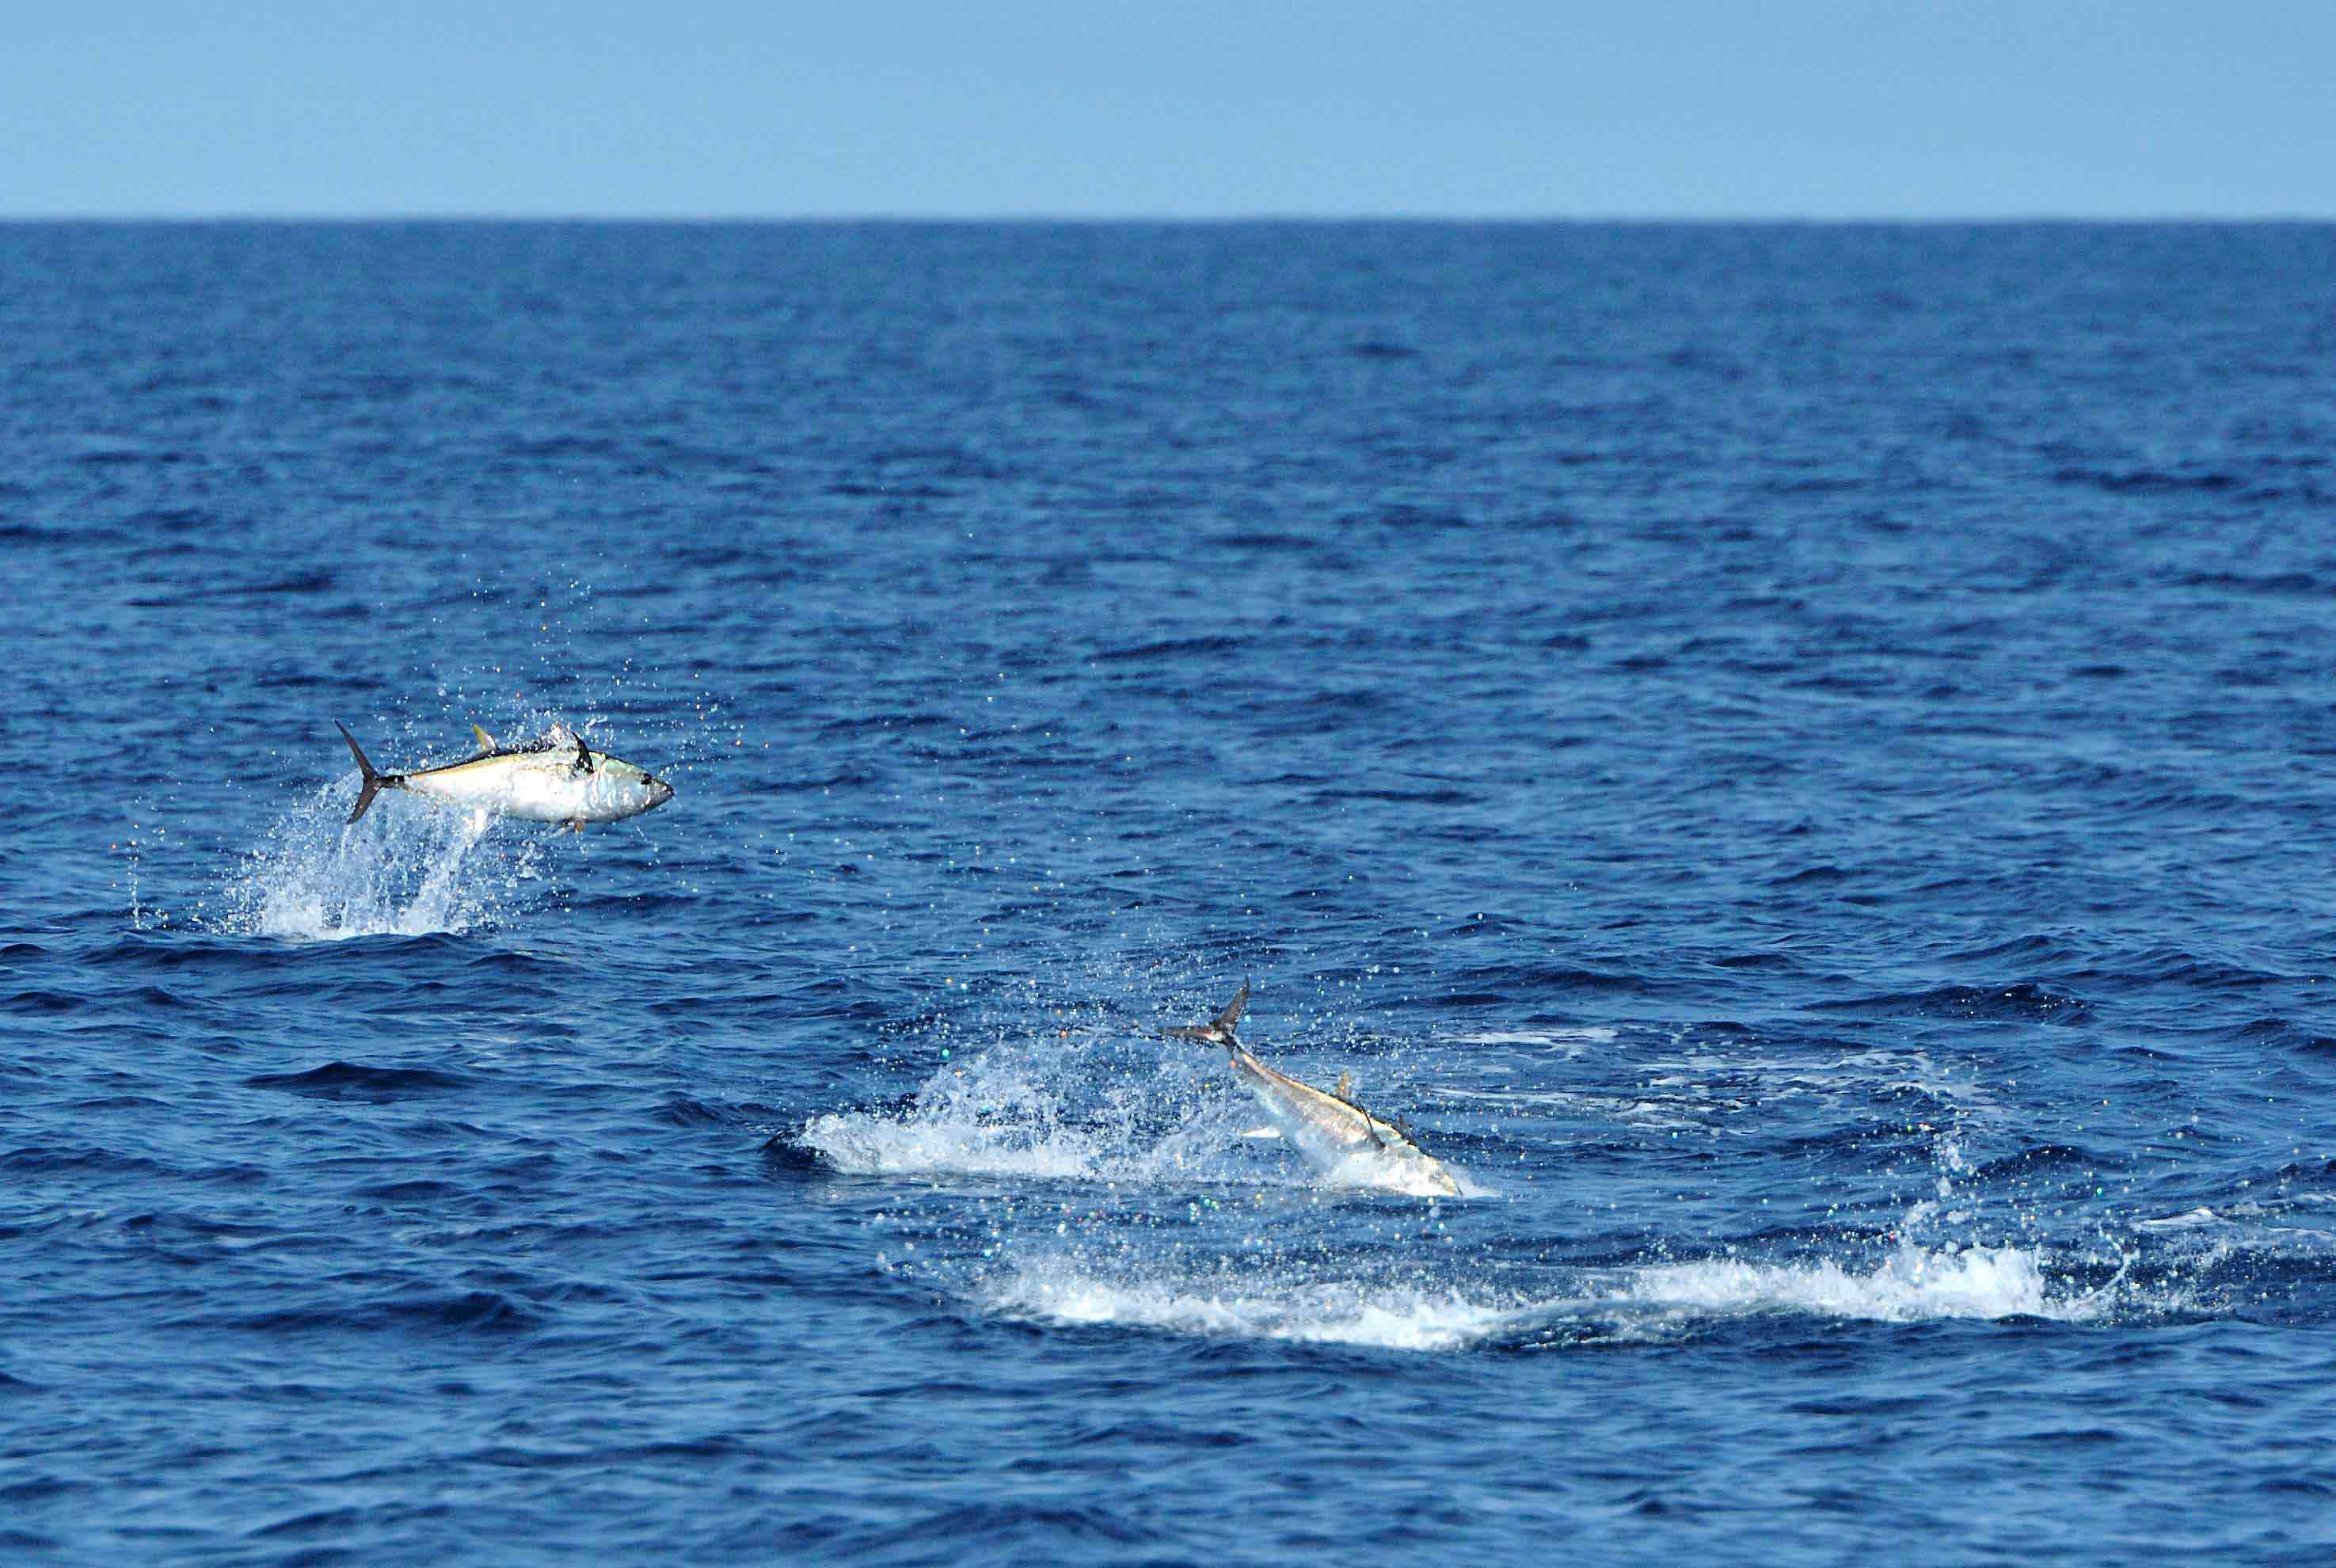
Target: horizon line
[{"x": 1230, "y": 219}]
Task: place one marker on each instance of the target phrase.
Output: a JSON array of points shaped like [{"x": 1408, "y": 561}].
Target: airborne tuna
[
  {"x": 1335, "y": 1134},
  {"x": 558, "y": 780}
]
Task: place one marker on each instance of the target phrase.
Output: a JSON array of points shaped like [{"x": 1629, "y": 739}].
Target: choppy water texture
[{"x": 1799, "y": 758}]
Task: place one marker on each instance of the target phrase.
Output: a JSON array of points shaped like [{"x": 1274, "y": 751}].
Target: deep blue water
[{"x": 1799, "y": 759}]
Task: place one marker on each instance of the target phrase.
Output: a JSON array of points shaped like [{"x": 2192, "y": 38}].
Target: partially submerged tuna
[
  {"x": 1336, "y": 1135},
  {"x": 559, "y": 779}
]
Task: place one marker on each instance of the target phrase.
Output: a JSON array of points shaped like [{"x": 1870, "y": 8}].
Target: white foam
[
  {"x": 1587, "y": 1035},
  {"x": 1320, "y": 1312},
  {"x": 1653, "y": 1303},
  {"x": 1046, "y": 1107},
  {"x": 2194, "y": 1220},
  {"x": 1911, "y": 1285},
  {"x": 875, "y": 1146}
]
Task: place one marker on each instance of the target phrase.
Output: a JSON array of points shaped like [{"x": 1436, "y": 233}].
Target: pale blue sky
[{"x": 1671, "y": 108}]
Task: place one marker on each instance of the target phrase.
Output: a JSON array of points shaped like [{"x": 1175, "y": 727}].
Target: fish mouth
[{"x": 661, "y": 791}]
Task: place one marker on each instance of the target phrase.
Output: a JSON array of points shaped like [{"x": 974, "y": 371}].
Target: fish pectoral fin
[{"x": 486, "y": 741}]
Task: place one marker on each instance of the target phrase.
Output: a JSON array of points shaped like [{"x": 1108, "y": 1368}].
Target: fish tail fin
[
  {"x": 374, "y": 781},
  {"x": 1231, "y": 1017},
  {"x": 1205, "y": 1034}
]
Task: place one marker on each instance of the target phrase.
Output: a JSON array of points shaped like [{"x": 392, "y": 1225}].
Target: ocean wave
[
  {"x": 2022, "y": 1000},
  {"x": 355, "y": 1080}
]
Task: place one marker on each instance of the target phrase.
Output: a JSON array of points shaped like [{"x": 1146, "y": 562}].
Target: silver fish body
[
  {"x": 1336, "y": 1136},
  {"x": 1340, "y": 1137},
  {"x": 565, "y": 782}
]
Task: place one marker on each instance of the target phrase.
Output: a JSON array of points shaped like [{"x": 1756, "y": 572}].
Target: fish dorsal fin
[
  {"x": 486, "y": 741},
  {"x": 1231, "y": 1014},
  {"x": 1345, "y": 1095},
  {"x": 583, "y": 757}
]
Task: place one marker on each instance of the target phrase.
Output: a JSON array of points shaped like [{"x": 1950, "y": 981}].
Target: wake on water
[
  {"x": 1645, "y": 1304},
  {"x": 1157, "y": 1213}
]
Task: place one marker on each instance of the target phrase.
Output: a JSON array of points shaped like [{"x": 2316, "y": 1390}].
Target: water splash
[
  {"x": 1393, "y": 1317},
  {"x": 1281, "y": 1295},
  {"x": 1071, "y": 1105},
  {"x": 1092, "y": 1103},
  {"x": 409, "y": 869},
  {"x": 1913, "y": 1284}
]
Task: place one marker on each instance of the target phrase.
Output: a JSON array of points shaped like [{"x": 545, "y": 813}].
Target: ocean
[{"x": 1796, "y": 758}]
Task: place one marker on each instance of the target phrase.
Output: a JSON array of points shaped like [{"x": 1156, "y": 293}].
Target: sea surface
[{"x": 1800, "y": 759}]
